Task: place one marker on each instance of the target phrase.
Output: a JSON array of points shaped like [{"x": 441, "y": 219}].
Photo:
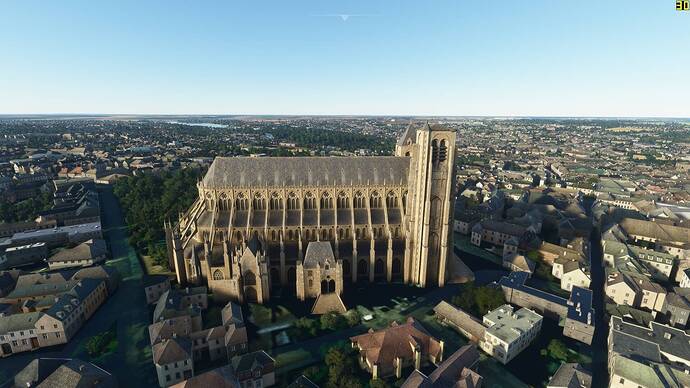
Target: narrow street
[
  {"x": 599, "y": 348},
  {"x": 131, "y": 362}
]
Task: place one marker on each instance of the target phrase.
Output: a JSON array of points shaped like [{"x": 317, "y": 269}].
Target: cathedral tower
[{"x": 431, "y": 149}]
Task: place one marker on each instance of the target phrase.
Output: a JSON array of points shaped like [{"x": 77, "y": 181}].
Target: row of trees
[
  {"x": 306, "y": 327},
  {"x": 25, "y": 210},
  {"x": 150, "y": 199}
]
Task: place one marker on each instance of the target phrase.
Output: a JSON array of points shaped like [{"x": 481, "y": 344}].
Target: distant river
[{"x": 209, "y": 125}]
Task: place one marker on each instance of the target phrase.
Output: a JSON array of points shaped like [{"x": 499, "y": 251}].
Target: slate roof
[
  {"x": 630, "y": 339},
  {"x": 662, "y": 232},
  {"x": 172, "y": 350},
  {"x": 516, "y": 280},
  {"x": 90, "y": 249},
  {"x": 461, "y": 319},
  {"x": 570, "y": 375},
  {"x": 250, "y": 361},
  {"x": 580, "y": 305},
  {"x": 232, "y": 313},
  {"x": 448, "y": 373},
  {"x": 245, "y": 172},
  {"x": 409, "y": 134},
  {"x": 79, "y": 374},
  {"x": 16, "y": 322},
  {"x": 678, "y": 298},
  {"x": 36, "y": 371},
  {"x": 521, "y": 262},
  {"x": 37, "y": 290},
  {"x": 318, "y": 253},
  {"x": 179, "y": 326},
  {"x": 652, "y": 374}
]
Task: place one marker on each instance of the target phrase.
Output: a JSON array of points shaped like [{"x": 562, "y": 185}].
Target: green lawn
[
  {"x": 463, "y": 243},
  {"x": 154, "y": 269}
]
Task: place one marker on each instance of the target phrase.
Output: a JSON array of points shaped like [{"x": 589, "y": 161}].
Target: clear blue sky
[{"x": 502, "y": 57}]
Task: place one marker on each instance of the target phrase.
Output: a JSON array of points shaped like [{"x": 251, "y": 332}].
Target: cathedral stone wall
[{"x": 387, "y": 219}]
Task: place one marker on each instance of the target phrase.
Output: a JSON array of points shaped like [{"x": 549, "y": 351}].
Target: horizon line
[{"x": 86, "y": 115}]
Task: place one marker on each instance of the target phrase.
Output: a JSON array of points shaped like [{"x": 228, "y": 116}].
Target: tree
[
  {"x": 341, "y": 368},
  {"x": 336, "y": 361},
  {"x": 353, "y": 318},
  {"x": 332, "y": 321},
  {"x": 465, "y": 300},
  {"x": 305, "y": 328},
  {"x": 479, "y": 300},
  {"x": 317, "y": 374},
  {"x": 378, "y": 383},
  {"x": 488, "y": 298},
  {"x": 557, "y": 350}
]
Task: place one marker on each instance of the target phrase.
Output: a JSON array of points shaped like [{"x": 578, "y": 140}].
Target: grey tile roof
[
  {"x": 36, "y": 371},
  {"x": 250, "y": 361},
  {"x": 79, "y": 374},
  {"x": 91, "y": 249},
  {"x": 448, "y": 373},
  {"x": 16, "y": 322},
  {"x": 580, "y": 305},
  {"x": 571, "y": 375},
  {"x": 319, "y": 253},
  {"x": 630, "y": 339},
  {"x": 172, "y": 350},
  {"x": 240, "y": 172}
]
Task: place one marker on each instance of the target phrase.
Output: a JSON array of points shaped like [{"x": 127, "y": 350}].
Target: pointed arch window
[
  {"x": 309, "y": 201},
  {"x": 343, "y": 201},
  {"x": 359, "y": 200},
  {"x": 375, "y": 200}
]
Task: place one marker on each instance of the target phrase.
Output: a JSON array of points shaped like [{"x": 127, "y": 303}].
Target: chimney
[
  {"x": 440, "y": 355},
  {"x": 417, "y": 359}
]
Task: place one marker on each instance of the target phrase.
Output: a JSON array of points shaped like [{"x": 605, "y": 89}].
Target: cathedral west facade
[{"x": 386, "y": 219}]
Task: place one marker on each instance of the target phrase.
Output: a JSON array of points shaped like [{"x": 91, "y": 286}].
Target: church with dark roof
[{"x": 383, "y": 219}]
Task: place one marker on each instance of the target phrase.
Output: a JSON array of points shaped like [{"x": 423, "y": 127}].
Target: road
[
  {"x": 599, "y": 349},
  {"x": 127, "y": 308}
]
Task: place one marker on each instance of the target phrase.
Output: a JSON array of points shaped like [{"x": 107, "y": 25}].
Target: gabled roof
[
  {"x": 79, "y": 374},
  {"x": 383, "y": 346},
  {"x": 172, "y": 350},
  {"x": 570, "y": 375},
  {"x": 90, "y": 249},
  {"x": 222, "y": 377},
  {"x": 409, "y": 135},
  {"x": 251, "y": 361},
  {"x": 449, "y": 372},
  {"x": 245, "y": 172},
  {"x": 36, "y": 371},
  {"x": 319, "y": 253}
]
